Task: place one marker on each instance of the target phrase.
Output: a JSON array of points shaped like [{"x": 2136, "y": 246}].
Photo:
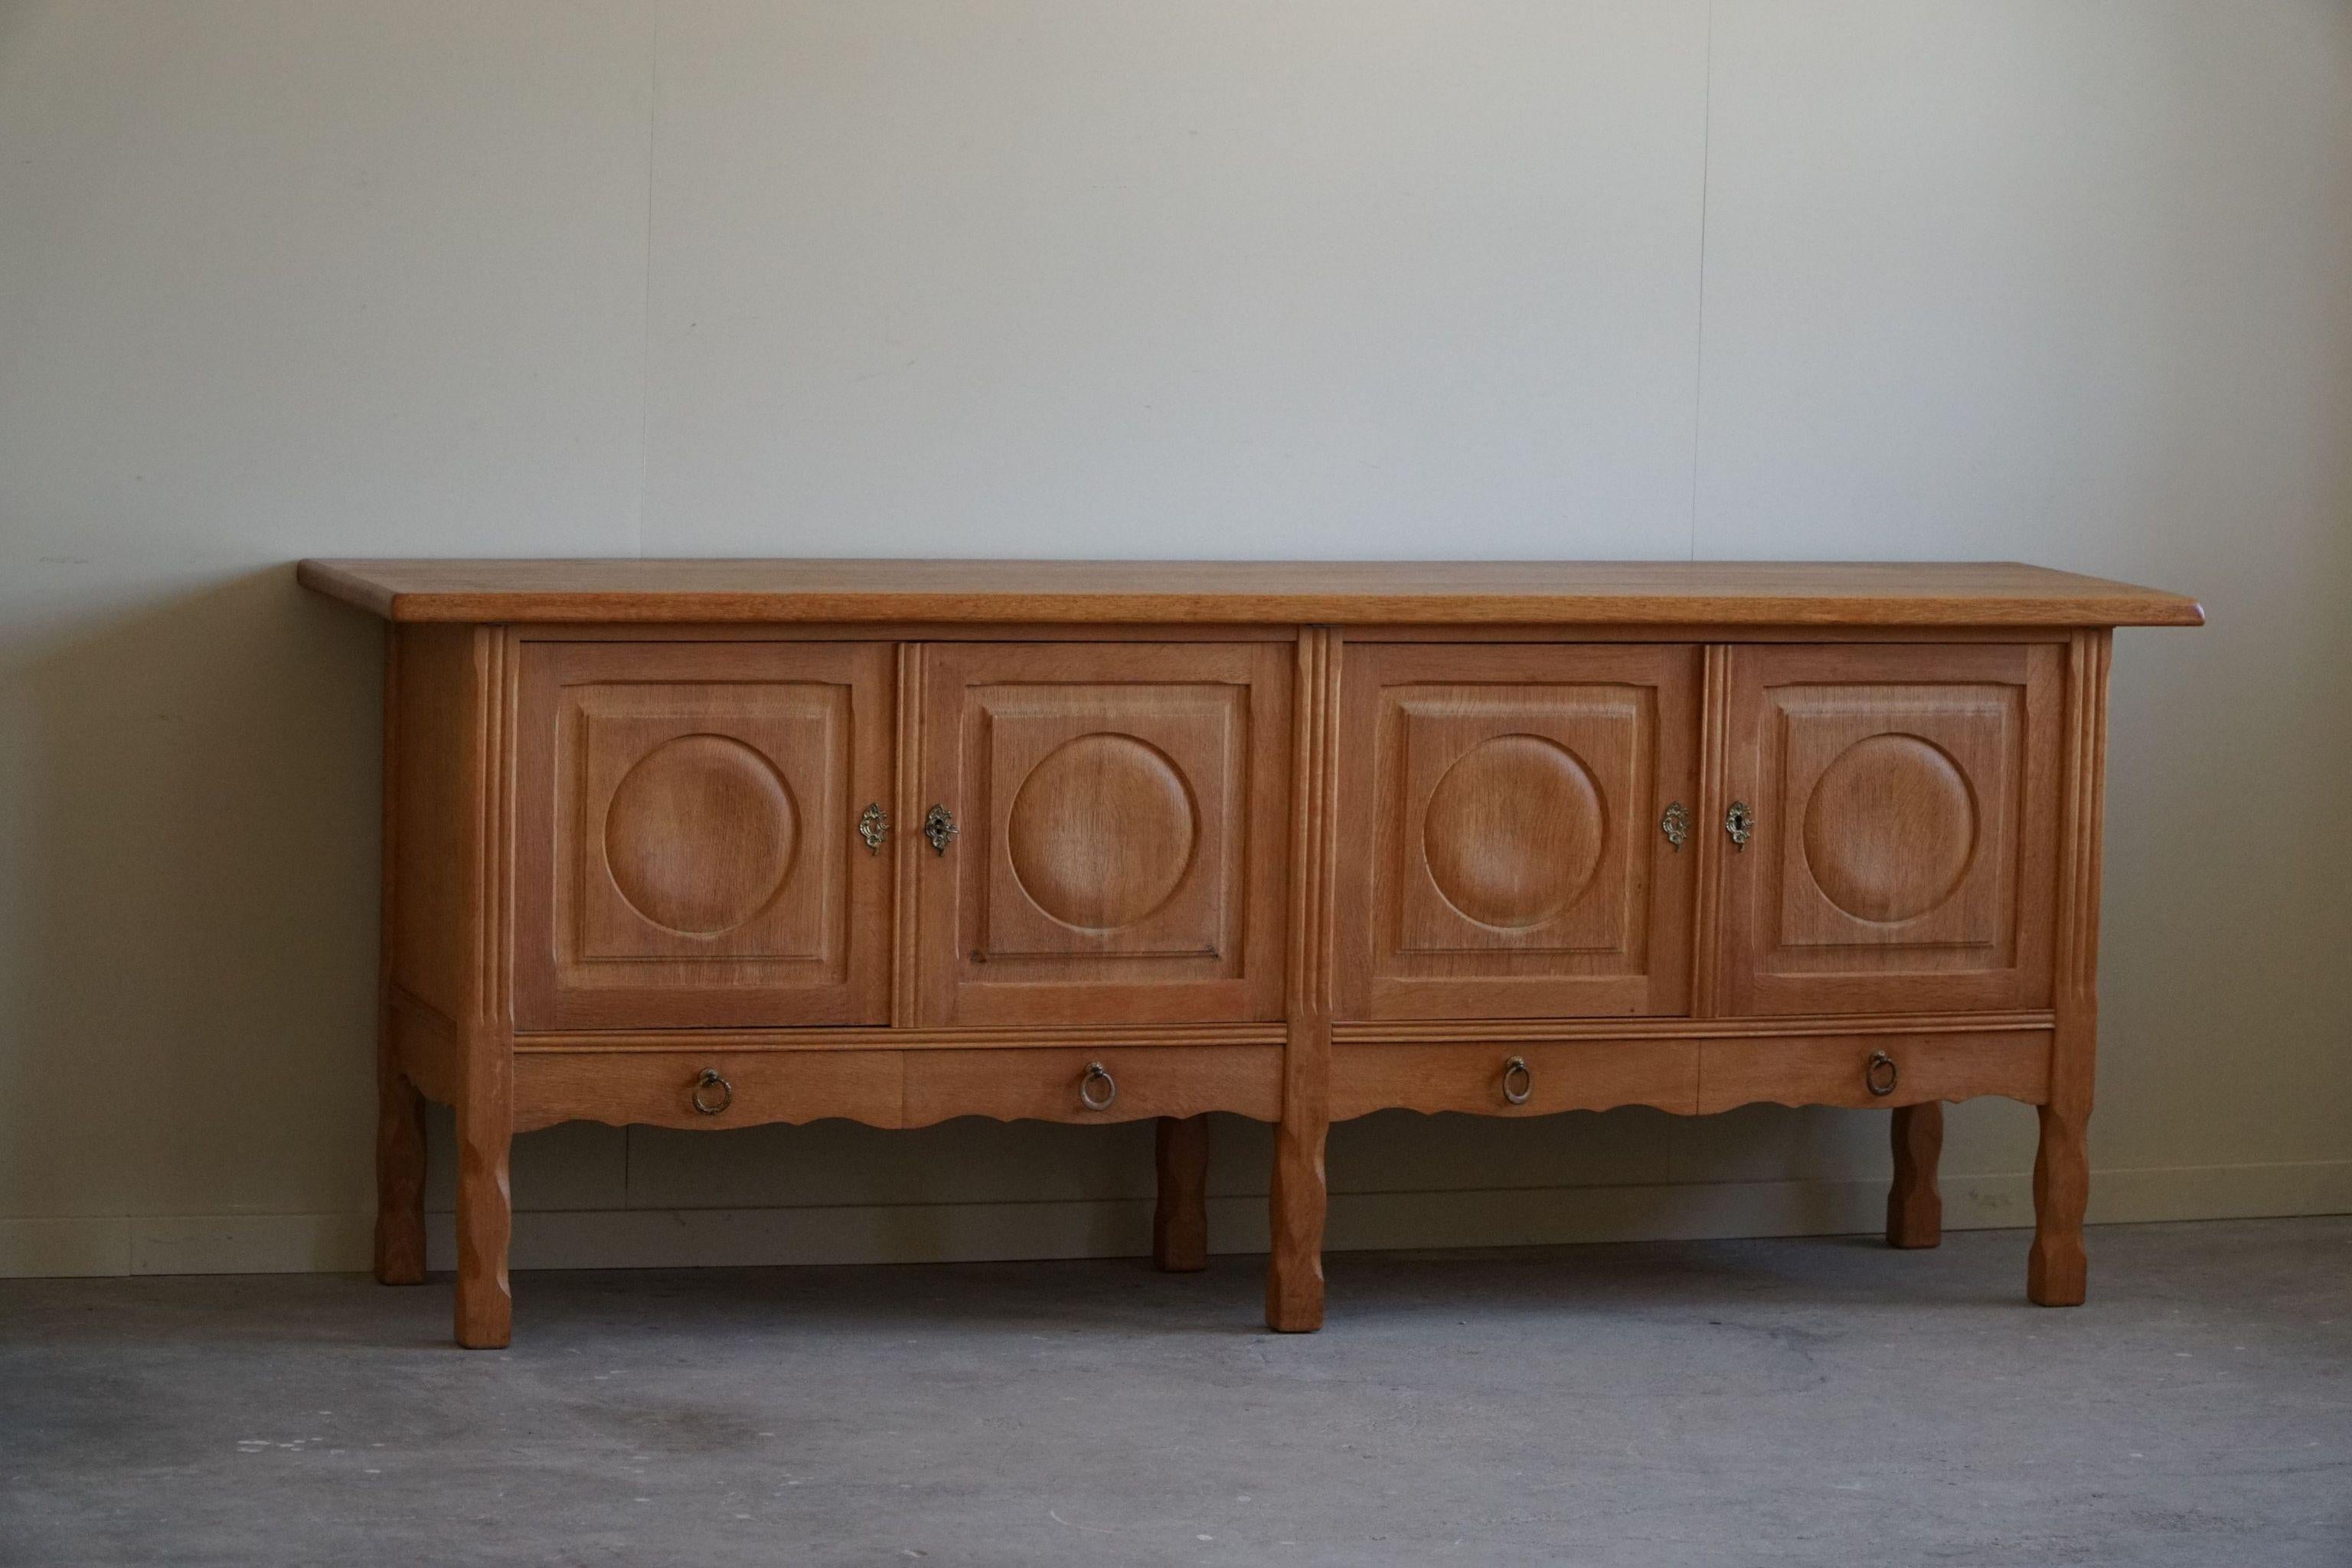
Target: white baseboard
[{"x": 940, "y": 1233}]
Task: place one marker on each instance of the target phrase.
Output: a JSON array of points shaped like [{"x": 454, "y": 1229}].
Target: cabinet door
[
  {"x": 1505, "y": 848},
  {"x": 1120, "y": 815},
  {"x": 1904, "y": 802},
  {"x": 687, "y": 849}
]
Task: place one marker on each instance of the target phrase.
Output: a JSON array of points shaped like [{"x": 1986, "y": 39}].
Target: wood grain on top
[{"x": 1850, "y": 593}]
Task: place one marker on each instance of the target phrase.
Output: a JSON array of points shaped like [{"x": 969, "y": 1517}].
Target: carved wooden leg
[
  {"x": 1915, "y": 1207},
  {"x": 399, "y": 1179},
  {"x": 1179, "y": 1221},
  {"x": 485, "y": 1223},
  {"x": 1294, "y": 1274},
  {"x": 2056, "y": 1273}
]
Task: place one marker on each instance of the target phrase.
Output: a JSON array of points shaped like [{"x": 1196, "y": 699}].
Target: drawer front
[
  {"x": 670, "y": 1089},
  {"x": 1882, "y": 1071},
  {"x": 1515, "y": 825},
  {"x": 687, "y": 830},
  {"x": 1114, "y": 1084},
  {"x": 1107, "y": 825},
  {"x": 1898, "y": 820},
  {"x": 1516, "y": 1078}
]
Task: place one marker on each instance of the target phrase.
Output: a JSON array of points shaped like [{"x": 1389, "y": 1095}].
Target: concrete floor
[{"x": 1763, "y": 1402}]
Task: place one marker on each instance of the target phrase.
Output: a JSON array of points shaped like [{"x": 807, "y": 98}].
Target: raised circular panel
[
  {"x": 1891, "y": 828},
  {"x": 1101, "y": 832},
  {"x": 1514, "y": 831},
  {"x": 700, "y": 834}
]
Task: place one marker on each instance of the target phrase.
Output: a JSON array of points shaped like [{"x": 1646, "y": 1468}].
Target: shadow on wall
[{"x": 194, "y": 805}]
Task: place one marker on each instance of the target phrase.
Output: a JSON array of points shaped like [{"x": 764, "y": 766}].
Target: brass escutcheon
[
  {"x": 873, "y": 826},
  {"x": 939, "y": 826}
]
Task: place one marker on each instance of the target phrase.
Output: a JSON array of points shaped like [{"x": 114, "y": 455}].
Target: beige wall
[{"x": 1763, "y": 278}]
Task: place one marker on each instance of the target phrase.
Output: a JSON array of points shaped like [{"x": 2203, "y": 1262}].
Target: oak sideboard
[{"x": 714, "y": 842}]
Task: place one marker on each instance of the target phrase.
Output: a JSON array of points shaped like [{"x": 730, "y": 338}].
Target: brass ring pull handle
[
  {"x": 1675, "y": 826},
  {"x": 939, "y": 826},
  {"x": 873, "y": 826},
  {"x": 1519, "y": 1080},
  {"x": 1879, "y": 1074},
  {"x": 1740, "y": 823},
  {"x": 712, "y": 1093},
  {"x": 1096, "y": 1073}
]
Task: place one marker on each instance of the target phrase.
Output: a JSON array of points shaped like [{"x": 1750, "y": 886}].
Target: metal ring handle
[
  {"x": 1880, "y": 1083},
  {"x": 1086, "y": 1086},
  {"x": 1518, "y": 1068},
  {"x": 703, "y": 1098}
]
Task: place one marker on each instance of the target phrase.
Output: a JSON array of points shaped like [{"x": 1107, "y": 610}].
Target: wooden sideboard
[{"x": 713, "y": 842}]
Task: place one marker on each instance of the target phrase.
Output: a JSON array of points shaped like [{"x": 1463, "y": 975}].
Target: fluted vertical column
[
  {"x": 1293, "y": 1283},
  {"x": 486, "y": 1093},
  {"x": 2056, "y": 1272}
]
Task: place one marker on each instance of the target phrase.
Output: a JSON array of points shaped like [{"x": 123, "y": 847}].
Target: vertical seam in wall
[
  {"x": 646, "y": 324},
  {"x": 1677, "y": 1128},
  {"x": 1699, "y": 357}
]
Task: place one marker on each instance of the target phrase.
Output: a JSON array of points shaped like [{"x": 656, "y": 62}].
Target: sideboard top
[{"x": 1645, "y": 592}]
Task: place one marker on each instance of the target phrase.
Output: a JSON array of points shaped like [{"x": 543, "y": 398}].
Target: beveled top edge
[{"x": 1434, "y": 593}]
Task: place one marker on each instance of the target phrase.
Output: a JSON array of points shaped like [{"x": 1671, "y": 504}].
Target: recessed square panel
[
  {"x": 1500, "y": 794},
  {"x": 692, "y": 827},
  {"x": 1897, "y": 805},
  {"x": 1111, "y": 820}
]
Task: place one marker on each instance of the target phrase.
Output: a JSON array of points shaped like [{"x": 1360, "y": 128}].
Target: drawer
[
  {"x": 1841, "y": 1069},
  {"x": 1054, "y": 1084},
  {"x": 658, "y": 1089},
  {"x": 1554, "y": 1075}
]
